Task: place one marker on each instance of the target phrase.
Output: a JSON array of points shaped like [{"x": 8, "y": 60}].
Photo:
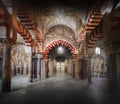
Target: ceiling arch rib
[
  {"x": 94, "y": 36},
  {"x": 50, "y": 17},
  {"x": 54, "y": 39},
  {"x": 59, "y": 43},
  {"x": 94, "y": 20},
  {"x": 25, "y": 34},
  {"x": 25, "y": 18}
]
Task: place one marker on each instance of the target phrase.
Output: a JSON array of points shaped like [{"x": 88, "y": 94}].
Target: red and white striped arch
[
  {"x": 59, "y": 43},
  {"x": 25, "y": 34},
  {"x": 94, "y": 21}
]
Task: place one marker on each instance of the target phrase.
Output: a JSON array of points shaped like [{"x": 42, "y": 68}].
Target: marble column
[
  {"x": 69, "y": 66},
  {"x": 83, "y": 68},
  {"x": 89, "y": 72},
  {"x": 50, "y": 67},
  {"x": 6, "y": 66},
  {"x": 112, "y": 73},
  {"x": 112, "y": 68},
  {"x": 73, "y": 69},
  {"x": 38, "y": 68},
  {"x": 14, "y": 69},
  {"x": 89, "y": 54},
  {"x": 43, "y": 74},
  {"x": 32, "y": 68},
  {"x": 29, "y": 67},
  {"x": 35, "y": 62},
  {"x": 77, "y": 67},
  {"x": 47, "y": 68}
]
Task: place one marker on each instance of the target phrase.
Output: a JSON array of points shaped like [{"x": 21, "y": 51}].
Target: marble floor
[{"x": 61, "y": 89}]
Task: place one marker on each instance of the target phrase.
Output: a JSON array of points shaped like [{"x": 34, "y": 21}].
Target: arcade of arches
[{"x": 40, "y": 39}]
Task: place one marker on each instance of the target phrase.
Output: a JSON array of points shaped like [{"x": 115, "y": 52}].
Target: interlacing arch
[{"x": 59, "y": 43}]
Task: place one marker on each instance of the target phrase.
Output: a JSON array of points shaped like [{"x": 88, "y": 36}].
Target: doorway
[{"x": 60, "y": 67}]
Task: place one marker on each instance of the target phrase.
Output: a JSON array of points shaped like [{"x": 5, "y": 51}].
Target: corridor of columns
[{"x": 60, "y": 50}]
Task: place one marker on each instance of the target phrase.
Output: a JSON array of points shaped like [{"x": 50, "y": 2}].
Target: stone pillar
[
  {"x": 50, "y": 67},
  {"x": 43, "y": 74},
  {"x": 77, "y": 67},
  {"x": 112, "y": 70},
  {"x": 32, "y": 70},
  {"x": 89, "y": 72},
  {"x": 38, "y": 68},
  {"x": 35, "y": 62},
  {"x": 47, "y": 68},
  {"x": 6, "y": 66},
  {"x": 73, "y": 69},
  {"x": 113, "y": 66},
  {"x": 29, "y": 66},
  {"x": 14, "y": 70},
  {"x": 113, "y": 60},
  {"x": 89, "y": 54},
  {"x": 69, "y": 66},
  {"x": 83, "y": 68}
]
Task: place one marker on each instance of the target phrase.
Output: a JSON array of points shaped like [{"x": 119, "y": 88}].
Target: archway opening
[{"x": 60, "y": 60}]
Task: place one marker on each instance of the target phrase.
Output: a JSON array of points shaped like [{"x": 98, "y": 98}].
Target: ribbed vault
[{"x": 60, "y": 32}]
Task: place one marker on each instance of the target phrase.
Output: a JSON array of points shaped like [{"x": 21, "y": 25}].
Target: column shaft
[
  {"x": 32, "y": 69},
  {"x": 35, "y": 67},
  {"x": 47, "y": 68},
  {"x": 6, "y": 67},
  {"x": 89, "y": 69},
  {"x": 112, "y": 70}
]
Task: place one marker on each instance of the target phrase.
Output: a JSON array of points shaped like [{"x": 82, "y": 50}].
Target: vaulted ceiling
[
  {"x": 61, "y": 19},
  {"x": 72, "y": 13}
]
